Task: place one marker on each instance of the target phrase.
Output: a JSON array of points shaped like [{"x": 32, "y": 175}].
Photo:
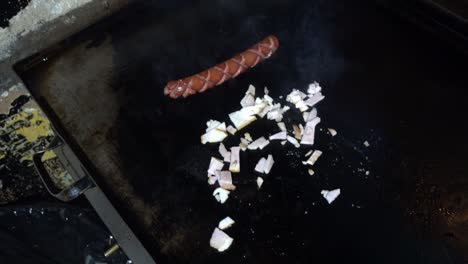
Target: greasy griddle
[{"x": 104, "y": 88}]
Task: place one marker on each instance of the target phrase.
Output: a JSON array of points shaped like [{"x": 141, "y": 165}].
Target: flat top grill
[{"x": 103, "y": 87}]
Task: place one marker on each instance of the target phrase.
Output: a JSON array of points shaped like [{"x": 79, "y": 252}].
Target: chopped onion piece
[
  {"x": 281, "y": 126},
  {"x": 310, "y": 115},
  {"x": 314, "y": 88},
  {"x": 264, "y": 144},
  {"x": 303, "y": 95},
  {"x": 255, "y": 109},
  {"x": 269, "y": 164},
  {"x": 259, "y": 143},
  {"x": 309, "y": 132},
  {"x": 244, "y": 141},
  {"x": 265, "y": 111},
  {"x": 332, "y": 132},
  {"x": 276, "y": 112},
  {"x": 213, "y": 136},
  {"x": 227, "y": 158},
  {"x": 231, "y": 130},
  {"x": 295, "y": 96},
  {"x": 314, "y": 99},
  {"x": 313, "y": 113},
  {"x": 260, "y": 167},
  {"x": 265, "y": 90},
  {"x": 212, "y": 124},
  {"x": 212, "y": 180},
  {"x": 222, "y": 127},
  {"x": 279, "y": 136},
  {"x": 252, "y": 110},
  {"x": 215, "y": 165},
  {"x": 311, "y": 172},
  {"x": 235, "y": 160},
  {"x": 243, "y": 146},
  {"x": 220, "y": 240},
  {"x": 216, "y": 132},
  {"x": 275, "y": 115},
  {"x": 264, "y": 104},
  {"x": 293, "y": 141},
  {"x": 225, "y": 181},
  {"x": 217, "y": 174},
  {"x": 221, "y": 195},
  {"x": 330, "y": 196},
  {"x": 366, "y": 144},
  {"x": 284, "y": 142},
  {"x": 268, "y": 99},
  {"x": 249, "y": 98},
  {"x": 309, "y": 153},
  {"x": 224, "y": 152},
  {"x": 297, "y": 132},
  {"x": 265, "y": 165},
  {"x": 225, "y": 223},
  {"x": 248, "y": 137},
  {"x": 241, "y": 119},
  {"x": 314, "y": 157},
  {"x": 259, "y": 182},
  {"x": 302, "y": 106},
  {"x": 251, "y": 90}
]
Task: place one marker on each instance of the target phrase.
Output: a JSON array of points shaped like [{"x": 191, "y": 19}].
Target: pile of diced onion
[{"x": 254, "y": 108}]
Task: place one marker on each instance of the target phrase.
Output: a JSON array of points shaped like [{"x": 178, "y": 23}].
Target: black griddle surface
[{"x": 384, "y": 81}]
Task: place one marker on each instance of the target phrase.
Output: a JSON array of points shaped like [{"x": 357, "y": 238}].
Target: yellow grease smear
[
  {"x": 31, "y": 125},
  {"x": 46, "y": 156},
  {"x": 49, "y": 154},
  {"x": 28, "y": 156},
  {"x": 38, "y": 126}
]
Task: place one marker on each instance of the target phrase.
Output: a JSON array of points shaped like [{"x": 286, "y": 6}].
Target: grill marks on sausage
[{"x": 224, "y": 71}]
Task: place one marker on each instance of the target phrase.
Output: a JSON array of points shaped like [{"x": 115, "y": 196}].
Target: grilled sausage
[{"x": 218, "y": 74}]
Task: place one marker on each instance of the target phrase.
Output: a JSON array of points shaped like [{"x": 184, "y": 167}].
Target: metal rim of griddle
[
  {"x": 73, "y": 191},
  {"x": 85, "y": 185}
]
